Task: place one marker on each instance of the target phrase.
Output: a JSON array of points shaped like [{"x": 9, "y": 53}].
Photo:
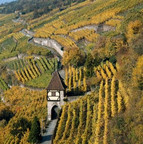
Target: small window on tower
[{"x": 53, "y": 93}]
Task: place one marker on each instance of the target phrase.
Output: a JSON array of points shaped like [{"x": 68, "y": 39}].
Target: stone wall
[
  {"x": 96, "y": 28},
  {"x": 108, "y": 28},
  {"x": 28, "y": 33},
  {"x": 50, "y": 43}
]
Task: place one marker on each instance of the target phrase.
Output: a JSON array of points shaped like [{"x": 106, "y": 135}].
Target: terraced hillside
[
  {"x": 14, "y": 48},
  {"x": 98, "y": 31},
  {"x": 87, "y": 120},
  {"x": 79, "y": 27},
  {"x": 98, "y": 46}
]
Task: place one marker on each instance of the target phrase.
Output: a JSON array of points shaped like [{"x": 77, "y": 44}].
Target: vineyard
[
  {"x": 38, "y": 22},
  {"x": 18, "y": 36},
  {"x": 101, "y": 66},
  {"x": 13, "y": 42},
  {"x": 89, "y": 35},
  {"x": 87, "y": 119},
  {"x": 17, "y": 44},
  {"x": 25, "y": 104},
  {"x": 108, "y": 13},
  {"x": 64, "y": 41},
  {"x": 75, "y": 79},
  {"x": 33, "y": 69},
  {"x": 3, "y": 85},
  {"x": 105, "y": 70}
]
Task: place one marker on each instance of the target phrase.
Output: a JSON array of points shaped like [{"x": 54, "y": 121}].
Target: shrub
[{"x": 34, "y": 135}]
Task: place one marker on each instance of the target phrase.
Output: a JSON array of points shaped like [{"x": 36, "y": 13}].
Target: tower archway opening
[{"x": 54, "y": 112}]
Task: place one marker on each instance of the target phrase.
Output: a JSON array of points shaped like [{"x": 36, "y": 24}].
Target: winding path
[
  {"x": 48, "y": 43},
  {"x": 54, "y": 46},
  {"x": 47, "y": 136},
  {"x": 97, "y": 28}
]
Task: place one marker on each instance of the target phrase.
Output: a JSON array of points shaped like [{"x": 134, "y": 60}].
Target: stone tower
[{"x": 55, "y": 94}]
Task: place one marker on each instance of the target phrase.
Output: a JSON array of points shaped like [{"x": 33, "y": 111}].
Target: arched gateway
[
  {"x": 55, "y": 95},
  {"x": 54, "y": 112}
]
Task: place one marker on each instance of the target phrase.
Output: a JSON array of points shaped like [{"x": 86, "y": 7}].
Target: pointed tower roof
[{"x": 56, "y": 82}]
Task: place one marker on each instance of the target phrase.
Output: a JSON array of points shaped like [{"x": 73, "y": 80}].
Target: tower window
[{"x": 53, "y": 93}]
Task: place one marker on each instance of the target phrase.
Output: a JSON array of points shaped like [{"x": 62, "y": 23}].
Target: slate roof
[{"x": 56, "y": 82}]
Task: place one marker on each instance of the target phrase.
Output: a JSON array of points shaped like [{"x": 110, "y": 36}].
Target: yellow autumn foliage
[
  {"x": 133, "y": 28},
  {"x": 138, "y": 73}
]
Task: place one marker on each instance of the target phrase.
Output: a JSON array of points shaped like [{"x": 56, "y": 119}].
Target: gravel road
[{"x": 47, "y": 137}]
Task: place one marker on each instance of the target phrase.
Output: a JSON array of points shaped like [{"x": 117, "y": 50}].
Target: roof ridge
[
  {"x": 56, "y": 82},
  {"x": 59, "y": 78}
]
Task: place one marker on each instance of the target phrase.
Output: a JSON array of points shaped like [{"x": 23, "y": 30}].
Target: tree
[
  {"x": 73, "y": 56},
  {"x": 133, "y": 29},
  {"x": 6, "y": 114},
  {"x": 20, "y": 127},
  {"x": 34, "y": 135},
  {"x": 137, "y": 75},
  {"x": 89, "y": 65},
  {"x": 137, "y": 43}
]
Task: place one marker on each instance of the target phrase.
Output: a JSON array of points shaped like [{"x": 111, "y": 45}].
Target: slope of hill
[
  {"x": 87, "y": 120},
  {"x": 39, "y": 7},
  {"x": 103, "y": 55},
  {"x": 5, "y": 1}
]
